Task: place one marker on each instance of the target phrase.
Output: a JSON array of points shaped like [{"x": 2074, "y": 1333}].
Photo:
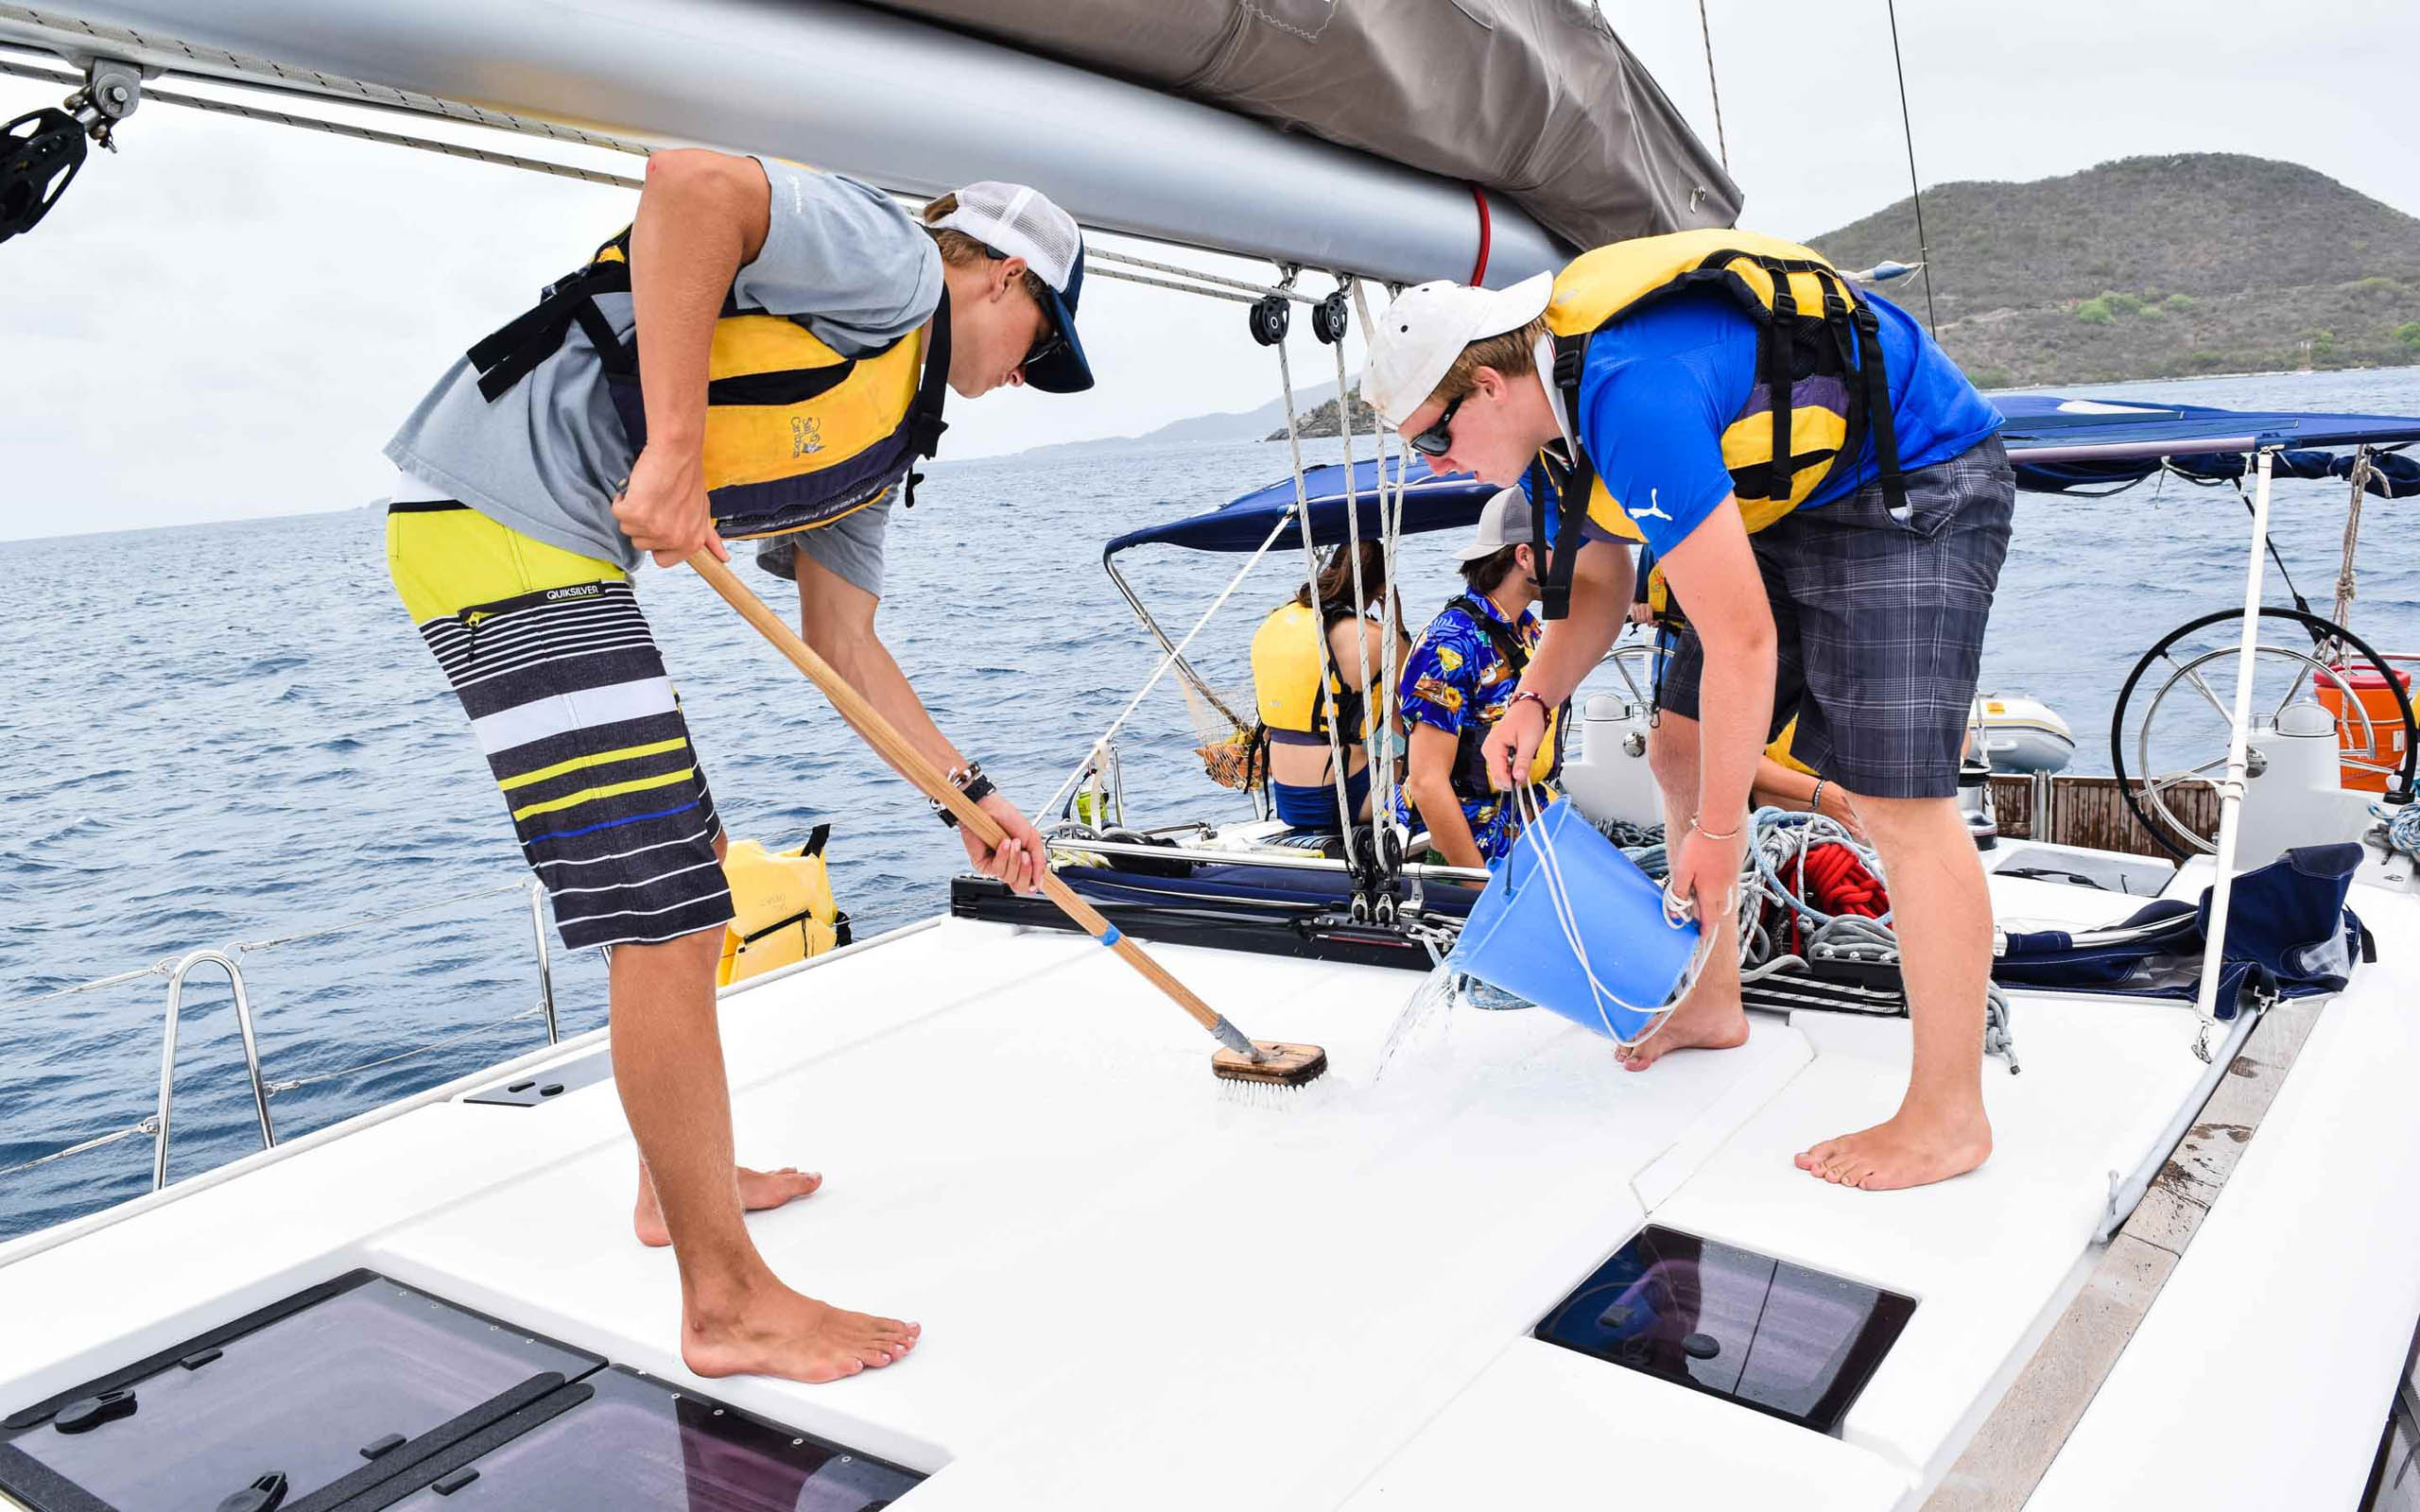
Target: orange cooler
[{"x": 2384, "y": 703}]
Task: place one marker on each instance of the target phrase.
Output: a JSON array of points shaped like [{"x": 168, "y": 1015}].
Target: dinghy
[{"x": 1506, "y": 1272}]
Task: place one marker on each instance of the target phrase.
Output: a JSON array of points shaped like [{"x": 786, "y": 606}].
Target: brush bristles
[{"x": 1281, "y": 1065}]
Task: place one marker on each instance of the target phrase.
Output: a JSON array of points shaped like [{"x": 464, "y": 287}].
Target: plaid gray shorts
[{"x": 1880, "y": 624}]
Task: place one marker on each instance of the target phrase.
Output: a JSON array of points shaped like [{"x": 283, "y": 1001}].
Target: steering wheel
[{"x": 2185, "y": 696}]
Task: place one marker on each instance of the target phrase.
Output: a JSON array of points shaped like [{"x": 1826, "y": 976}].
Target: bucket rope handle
[{"x": 1525, "y": 803}]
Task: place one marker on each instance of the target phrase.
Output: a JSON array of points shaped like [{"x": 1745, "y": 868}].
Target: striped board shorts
[{"x": 568, "y": 699}]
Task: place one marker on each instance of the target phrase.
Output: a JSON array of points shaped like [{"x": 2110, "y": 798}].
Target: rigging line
[
  {"x": 1318, "y": 616},
  {"x": 359, "y": 133},
  {"x": 1706, "y": 32},
  {"x": 149, "y": 1126},
  {"x": 1174, "y": 657},
  {"x": 1107, "y": 254},
  {"x": 1360, "y": 596},
  {"x": 1391, "y": 532},
  {"x": 1924, "y": 247}
]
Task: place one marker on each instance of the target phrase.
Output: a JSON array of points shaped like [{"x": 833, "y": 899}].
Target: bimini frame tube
[{"x": 2230, "y": 788}]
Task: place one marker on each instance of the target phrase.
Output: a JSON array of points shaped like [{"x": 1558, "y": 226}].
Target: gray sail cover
[{"x": 1533, "y": 99}]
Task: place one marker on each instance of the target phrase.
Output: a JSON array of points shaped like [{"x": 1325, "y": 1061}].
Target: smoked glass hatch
[
  {"x": 639, "y": 1444},
  {"x": 1779, "y": 1337},
  {"x": 313, "y": 1394}
]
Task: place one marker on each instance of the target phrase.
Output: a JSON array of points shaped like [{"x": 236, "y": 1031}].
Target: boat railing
[{"x": 177, "y": 969}]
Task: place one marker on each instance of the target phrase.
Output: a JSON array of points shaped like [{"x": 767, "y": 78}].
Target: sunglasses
[
  {"x": 1052, "y": 341},
  {"x": 1439, "y": 438}
]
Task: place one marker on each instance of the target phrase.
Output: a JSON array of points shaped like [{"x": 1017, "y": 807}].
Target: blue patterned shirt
[{"x": 1455, "y": 676}]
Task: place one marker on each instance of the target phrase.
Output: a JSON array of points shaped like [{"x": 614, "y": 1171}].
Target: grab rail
[
  {"x": 168, "y": 1056},
  {"x": 176, "y": 969}
]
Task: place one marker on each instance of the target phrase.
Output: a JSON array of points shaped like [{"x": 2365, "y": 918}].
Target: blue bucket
[{"x": 1638, "y": 959}]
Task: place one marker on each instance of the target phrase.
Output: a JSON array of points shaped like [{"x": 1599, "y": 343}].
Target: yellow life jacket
[
  {"x": 1781, "y": 753},
  {"x": 1820, "y": 389},
  {"x": 1286, "y": 675},
  {"x": 782, "y": 907},
  {"x": 797, "y": 433}
]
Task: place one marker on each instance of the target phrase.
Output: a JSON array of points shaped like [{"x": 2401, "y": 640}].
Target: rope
[
  {"x": 359, "y": 133},
  {"x": 159, "y": 968},
  {"x": 2402, "y": 827},
  {"x": 1374, "y": 738},
  {"x": 1312, "y": 582},
  {"x": 1924, "y": 247},
  {"x": 1390, "y": 536},
  {"x": 149, "y": 1126},
  {"x": 1173, "y": 657},
  {"x": 1256, "y": 291},
  {"x": 1705, "y": 32},
  {"x": 2344, "y": 583}
]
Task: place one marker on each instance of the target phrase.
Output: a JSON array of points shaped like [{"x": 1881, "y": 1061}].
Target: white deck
[{"x": 1136, "y": 1292}]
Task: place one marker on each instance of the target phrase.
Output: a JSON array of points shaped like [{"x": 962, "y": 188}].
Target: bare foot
[
  {"x": 1701, "y": 1024},
  {"x": 758, "y": 1190},
  {"x": 771, "y": 1331},
  {"x": 1909, "y": 1150}
]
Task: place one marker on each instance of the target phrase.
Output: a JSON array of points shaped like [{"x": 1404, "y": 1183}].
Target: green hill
[{"x": 2157, "y": 268}]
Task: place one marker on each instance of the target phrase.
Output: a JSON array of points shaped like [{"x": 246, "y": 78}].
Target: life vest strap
[
  {"x": 1571, "y": 489},
  {"x": 924, "y": 423}
]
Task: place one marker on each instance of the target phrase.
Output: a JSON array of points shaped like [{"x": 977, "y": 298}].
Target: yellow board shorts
[{"x": 569, "y": 701}]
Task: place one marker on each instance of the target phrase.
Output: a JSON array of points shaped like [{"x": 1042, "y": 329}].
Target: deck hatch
[
  {"x": 635, "y": 1443},
  {"x": 360, "y": 1394},
  {"x": 1778, "y": 1337},
  {"x": 298, "y": 1391}
]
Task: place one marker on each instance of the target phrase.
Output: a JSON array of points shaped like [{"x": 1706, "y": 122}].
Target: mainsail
[{"x": 1536, "y": 102}]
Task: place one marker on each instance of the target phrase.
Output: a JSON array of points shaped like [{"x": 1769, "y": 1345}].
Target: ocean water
[{"x": 229, "y": 732}]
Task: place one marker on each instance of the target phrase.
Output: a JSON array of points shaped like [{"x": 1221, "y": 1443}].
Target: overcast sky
[{"x": 228, "y": 319}]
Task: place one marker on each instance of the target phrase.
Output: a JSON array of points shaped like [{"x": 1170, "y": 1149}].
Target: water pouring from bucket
[{"x": 1573, "y": 925}]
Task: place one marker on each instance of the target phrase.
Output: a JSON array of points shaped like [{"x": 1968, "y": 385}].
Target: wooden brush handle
[{"x": 894, "y": 747}]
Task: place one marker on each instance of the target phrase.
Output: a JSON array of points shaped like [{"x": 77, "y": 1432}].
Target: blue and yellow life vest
[
  {"x": 1286, "y": 674},
  {"x": 797, "y": 433},
  {"x": 1821, "y": 389}
]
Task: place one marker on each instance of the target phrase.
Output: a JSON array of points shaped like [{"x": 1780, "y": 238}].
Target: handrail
[
  {"x": 168, "y": 1056},
  {"x": 176, "y": 969}
]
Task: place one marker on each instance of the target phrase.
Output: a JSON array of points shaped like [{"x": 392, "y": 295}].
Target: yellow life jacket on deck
[
  {"x": 783, "y": 910},
  {"x": 1820, "y": 388},
  {"x": 797, "y": 433},
  {"x": 1286, "y": 664}
]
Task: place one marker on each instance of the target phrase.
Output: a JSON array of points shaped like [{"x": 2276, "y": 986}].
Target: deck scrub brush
[{"x": 1266, "y": 1063}]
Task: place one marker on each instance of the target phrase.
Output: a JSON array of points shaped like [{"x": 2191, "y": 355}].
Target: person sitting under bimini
[
  {"x": 1457, "y": 684},
  {"x": 1307, "y": 695}
]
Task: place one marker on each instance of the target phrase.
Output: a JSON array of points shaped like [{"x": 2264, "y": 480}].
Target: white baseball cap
[
  {"x": 1427, "y": 327},
  {"x": 1013, "y": 220},
  {"x": 1503, "y": 522}
]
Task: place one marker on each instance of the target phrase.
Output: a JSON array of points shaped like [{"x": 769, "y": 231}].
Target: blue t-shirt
[{"x": 1662, "y": 386}]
